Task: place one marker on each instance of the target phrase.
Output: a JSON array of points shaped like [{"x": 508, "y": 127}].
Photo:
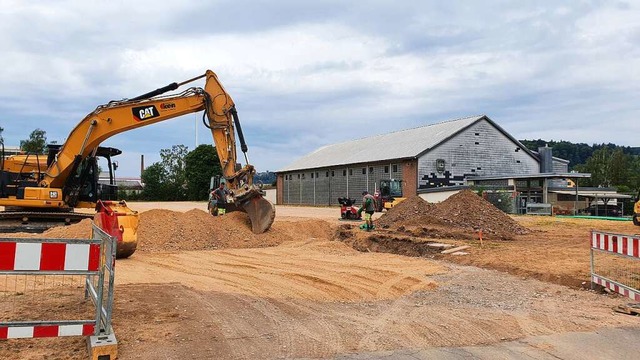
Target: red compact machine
[{"x": 347, "y": 209}]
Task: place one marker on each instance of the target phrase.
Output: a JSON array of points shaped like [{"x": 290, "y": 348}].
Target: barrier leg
[{"x": 102, "y": 347}]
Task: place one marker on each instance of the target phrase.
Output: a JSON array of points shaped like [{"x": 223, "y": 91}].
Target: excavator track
[{"x": 37, "y": 222}]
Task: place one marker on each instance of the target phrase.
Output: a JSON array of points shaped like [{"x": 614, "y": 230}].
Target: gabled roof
[{"x": 403, "y": 144}]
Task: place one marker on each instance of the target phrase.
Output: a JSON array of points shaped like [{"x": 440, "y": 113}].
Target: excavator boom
[{"x": 220, "y": 116}]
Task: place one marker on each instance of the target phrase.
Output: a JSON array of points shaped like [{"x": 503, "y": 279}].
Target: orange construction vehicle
[{"x": 63, "y": 185}]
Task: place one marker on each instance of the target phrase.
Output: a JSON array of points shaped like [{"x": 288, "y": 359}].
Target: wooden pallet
[{"x": 629, "y": 309}]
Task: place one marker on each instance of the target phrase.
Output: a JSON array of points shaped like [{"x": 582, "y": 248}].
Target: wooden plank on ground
[
  {"x": 440, "y": 245},
  {"x": 449, "y": 251},
  {"x": 630, "y": 309}
]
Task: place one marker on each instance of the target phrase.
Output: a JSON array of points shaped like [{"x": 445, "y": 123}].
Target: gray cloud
[{"x": 306, "y": 74}]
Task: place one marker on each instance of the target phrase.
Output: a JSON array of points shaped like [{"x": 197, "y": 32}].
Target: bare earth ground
[{"x": 314, "y": 297}]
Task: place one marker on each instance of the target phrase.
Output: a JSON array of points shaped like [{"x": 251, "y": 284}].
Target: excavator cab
[
  {"x": 20, "y": 176},
  {"x": 85, "y": 186}
]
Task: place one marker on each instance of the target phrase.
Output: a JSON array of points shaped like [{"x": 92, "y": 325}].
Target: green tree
[
  {"x": 200, "y": 165},
  {"x": 155, "y": 185},
  {"x": 608, "y": 167},
  {"x": 36, "y": 143},
  {"x": 173, "y": 163},
  {"x": 634, "y": 175}
]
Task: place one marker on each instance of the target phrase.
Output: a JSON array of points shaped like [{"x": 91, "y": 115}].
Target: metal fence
[
  {"x": 539, "y": 209},
  {"x": 615, "y": 263},
  {"x": 46, "y": 285}
]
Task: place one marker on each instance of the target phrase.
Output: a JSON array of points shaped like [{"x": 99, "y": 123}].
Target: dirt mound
[
  {"x": 467, "y": 209},
  {"x": 165, "y": 230},
  {"x": 81, "y": 230},
  {"x": 411, "y": 208},
  {"x": 464, "y": 210}
]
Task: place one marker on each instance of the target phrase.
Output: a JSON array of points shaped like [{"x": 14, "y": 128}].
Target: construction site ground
[{"x": 318, "y": 287}]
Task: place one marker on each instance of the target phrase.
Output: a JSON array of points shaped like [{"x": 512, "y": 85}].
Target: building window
[
  {"x": 302, "y": 176},
  {"x": 477, "y": 134},
  {"x": 350, "y": 172},
  {"x": 333, "y": 173},
  {"x": 395, "y": 168},
  {"x": 517, "y": 149},
  {"x": 370, "y": 169},
  {"x": 298, "y": 176},
  {"x": 364, "y": 171},
  {"x": 386, "y": 169},
  {"x": 477, "y": 143},
  {"x": 518, "y": 161},
  {"x": 344, "y": 172},
  {"x": 327, "y": 174},
  {"x": 312, "y": 175}
]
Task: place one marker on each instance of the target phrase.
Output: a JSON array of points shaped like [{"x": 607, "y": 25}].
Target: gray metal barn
[{"x": 433, "y": 156}]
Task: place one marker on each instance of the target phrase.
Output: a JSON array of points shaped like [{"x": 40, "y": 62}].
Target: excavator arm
[{"x": 115, "y": 117}]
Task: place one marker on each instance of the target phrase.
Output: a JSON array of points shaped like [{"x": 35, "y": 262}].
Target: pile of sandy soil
[
  {"x": 409, "y": 209},
  {"x": 467, "y": 209},
  {"x": 464, "y": 210},
  {"x": 81, "y": 230},
  {"x": 165, "y": 230}
]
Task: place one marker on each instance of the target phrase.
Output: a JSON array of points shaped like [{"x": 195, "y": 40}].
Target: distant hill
[
  {"x": 265, "y": 177},
  {"x": 575, "y": 153}
]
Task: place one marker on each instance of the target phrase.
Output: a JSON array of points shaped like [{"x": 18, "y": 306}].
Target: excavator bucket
[
  {"x": 261, "y": 213},
  {"x": 119, "y": 221}
]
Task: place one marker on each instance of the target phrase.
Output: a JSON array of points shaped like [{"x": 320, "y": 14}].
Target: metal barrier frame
[
  {"x": 98, "y": 262},
  {"x": 616, "y": 244},
  {"x": 539, "y": 209}
]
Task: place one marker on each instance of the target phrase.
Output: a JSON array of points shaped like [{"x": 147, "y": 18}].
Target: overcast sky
[{"x": 305, "y": 74}]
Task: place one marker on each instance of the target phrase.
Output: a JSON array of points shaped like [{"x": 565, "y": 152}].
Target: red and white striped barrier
[
  {"x": 616, "y": 243},
  {"x": 55, "y": 257},
  {"x": 41, "y": 331},
  {"x": 620, "y": 289},
  {"x": 49, "y": 256}
]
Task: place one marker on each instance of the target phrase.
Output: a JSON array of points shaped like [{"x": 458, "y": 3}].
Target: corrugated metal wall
[{"x": 325, "y": 186}]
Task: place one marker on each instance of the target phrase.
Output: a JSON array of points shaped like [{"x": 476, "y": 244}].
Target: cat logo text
[{"x": 142, "y": 113}]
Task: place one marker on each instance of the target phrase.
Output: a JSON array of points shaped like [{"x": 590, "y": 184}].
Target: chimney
[
  {"x": 141, "y": 165},
  {"x": 546, "y": 159}
]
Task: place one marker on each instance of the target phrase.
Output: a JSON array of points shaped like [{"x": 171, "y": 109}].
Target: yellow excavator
[
  {"x": 20, "y": 172},
  {"x": 64, "y": 184}
]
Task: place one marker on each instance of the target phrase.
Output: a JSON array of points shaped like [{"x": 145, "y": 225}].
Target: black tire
[{"x": 636, "y": 222}]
